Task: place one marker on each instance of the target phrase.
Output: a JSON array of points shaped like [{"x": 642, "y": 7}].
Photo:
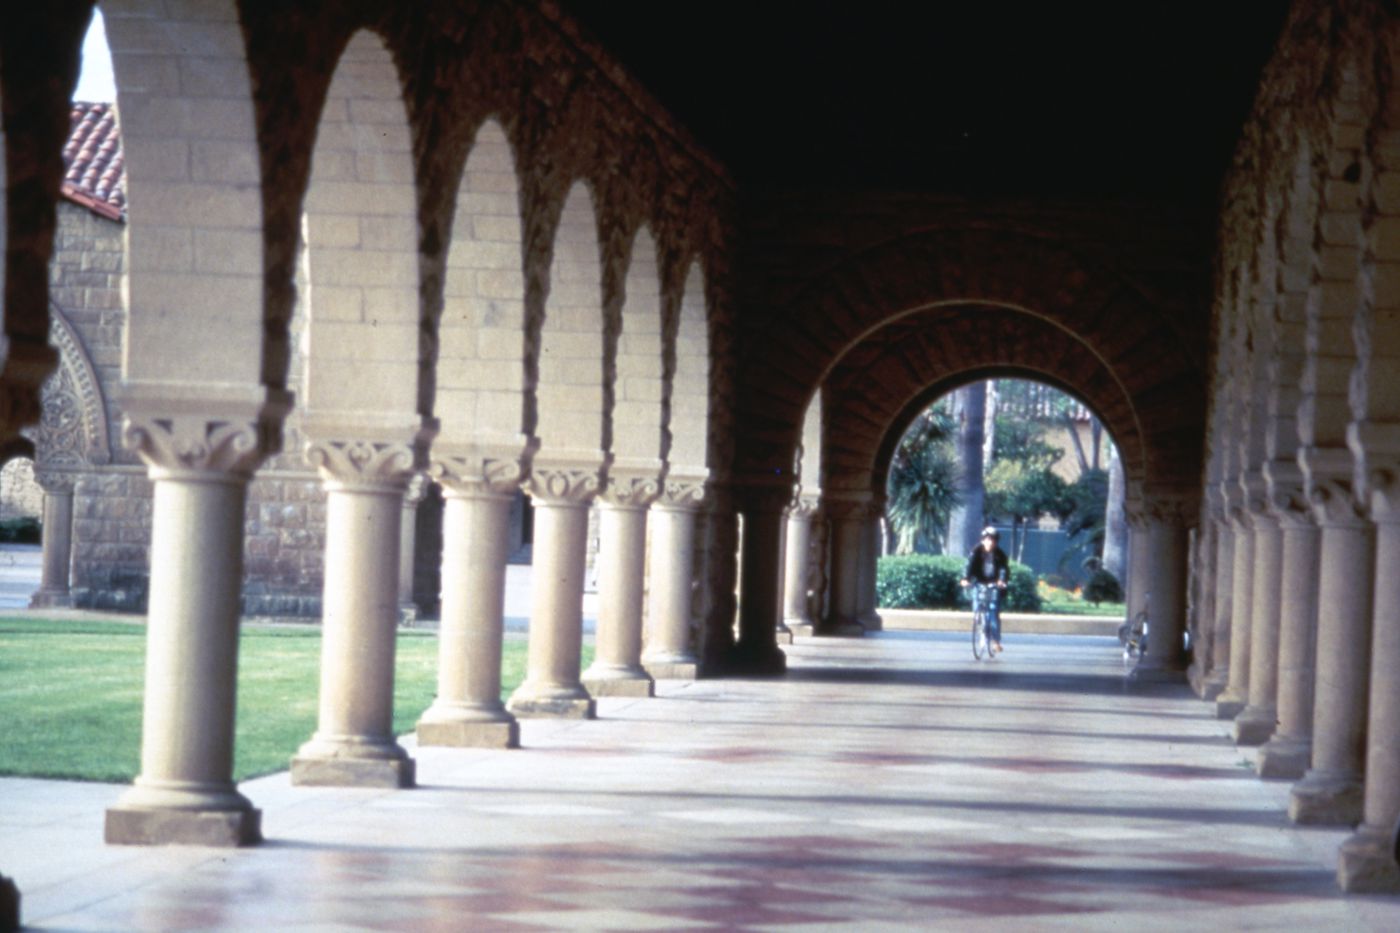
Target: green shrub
[
  {"x": 1103, "y": 587},
  {"x": 20, "y": 531},
  {"x": 922, "y": 581}
]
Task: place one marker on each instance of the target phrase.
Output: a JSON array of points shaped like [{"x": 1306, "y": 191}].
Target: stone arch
[
  {"x": 72, "y": 431},
  {"x": 893, "y": 374},
  {"x": 1140, "y": 345},
  {"x": 637, "y": 416},
  {"x": 364, "y": 374},
  {"x": 569, "y": 422},
  {"x": 480, "y": 390},
  {"x": 690, "y": 388}
]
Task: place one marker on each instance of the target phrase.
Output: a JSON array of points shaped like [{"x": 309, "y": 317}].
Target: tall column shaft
[
  {"x": 354, "y": 743},
  {"x": 796, "y": 610},
  {"x": 869, "y": 615},
  {"x": 847, "y": 545},
  {"x": 1164, "y": 536},
  {"x": 54, "y": 583},
  {"x": 668, "y": 647},
  {"x": 756, "y": 650},
  {"x": 1256, "y": 721},
  {"x": 200, "y": 469},
  {"x": 1219, "y": 673},
  {"x": 1368, "y": 860},
  {"x": 476, "y": 541},
  {"x": 408, "y": 546},
  {"x": 552, "y": 686},
  {"x": 1287, "y": 753},
  {"x": 1236, "y": 693},
  {"x": 617, "y": 664},
  {"x": 1330, "y": 792},
  {"x": 1200, "y": 622}
]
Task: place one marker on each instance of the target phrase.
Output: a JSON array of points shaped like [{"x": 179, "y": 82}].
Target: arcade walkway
[{"x": 889, "y": 783}]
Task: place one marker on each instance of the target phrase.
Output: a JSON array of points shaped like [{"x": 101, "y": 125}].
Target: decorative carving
[
  {"x": 198, "y": 443},
  {"x": 683, "y": 494},
  {"x": 415, "y": 491},
  {"x": 1383, "y": 484},
  {"x": 563, "y": 485},
  {"x": 804, "y": 507},
  {"x": 1333, "y": 503},
  {"x": 361, "y": 462},
  {"x": 484, "y": 476},
  {"x": 57, "y": 482},
  {"x": 629, "y": 490},
  {"x": 72, "y": 428},
  {"x": 1177, "y": 511}
]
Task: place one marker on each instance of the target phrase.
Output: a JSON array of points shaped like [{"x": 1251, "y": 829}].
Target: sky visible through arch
[{"x": 96, "y": 83}]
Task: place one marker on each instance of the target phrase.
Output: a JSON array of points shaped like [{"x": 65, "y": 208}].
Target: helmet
[{"x": 990, "y": 532}]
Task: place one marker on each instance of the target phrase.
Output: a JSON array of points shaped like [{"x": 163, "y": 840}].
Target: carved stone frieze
[
  {"x": 682, "y": 494},
  {"x": 1333, "y": 502},
  {"x": 194, "y": 443},
  {"x": 359, "y": 463},
  {"x": 563, "y": 485},
  {"x": 477, "y": 475},
  {"x": 72, "y": 428}
]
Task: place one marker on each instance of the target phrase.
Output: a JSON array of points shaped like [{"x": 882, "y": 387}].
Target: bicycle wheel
[{"x": 979, "y": 636}]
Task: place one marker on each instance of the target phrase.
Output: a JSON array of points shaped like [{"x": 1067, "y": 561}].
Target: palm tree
[{"x": 922, "y": 484}]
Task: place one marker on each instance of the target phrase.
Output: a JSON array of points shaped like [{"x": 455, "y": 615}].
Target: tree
[
  {"x": 1024, "y": 490},
  {"x": 922, "y": 483},
  {"x": 969, "y": 415},
  {"x": 1115, "y": 545}
]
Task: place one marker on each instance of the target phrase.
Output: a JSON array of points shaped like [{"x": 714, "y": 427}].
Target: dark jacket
[{"x": 1001, "y": 566}]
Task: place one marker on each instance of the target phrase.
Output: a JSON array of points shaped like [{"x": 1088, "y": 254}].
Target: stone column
[
  {"x": 468, "y": 711},
  {"x": 1219, "y": 673},
  {"x": 617, "y": 659},
  {"x": 53, "y": 592},
  {"x": 1201, "y": 621},
  {"x": 756, "y": 650},
  {"x": 408, "y": 530},
  {"x": 869, "y": 615},
  {"x": 1368, "y": 858},
  {"x": 1135, "y": 586},
  {"x": 1256, "y": 721},
  {"x": 552, "y": 687},
  {"x": 847, "y": 515},
  {"x": 668, "y": 647},
  {"x": 354, "y": 743},
  {"x": 1286, "y": 754},
  {"x": 1330, "y": 791},
  {"x": 1164, "y": 534},
  {"x": 9, "y": 904},
  {"x": 200, "y": 470},
  {"x": 796, "y": 574},
  {"x": 1236, "y": 693}
]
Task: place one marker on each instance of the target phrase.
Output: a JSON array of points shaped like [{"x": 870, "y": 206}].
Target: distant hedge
[
  {"x": 20, "y": 531},
  {"x": 924, "y": 581}
]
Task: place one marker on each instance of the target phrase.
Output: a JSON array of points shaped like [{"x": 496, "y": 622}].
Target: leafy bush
[
  {"x": 1103, "y": 587},
  {"x": 20, "y": 531},
  {"x": 920, "y": 581}
]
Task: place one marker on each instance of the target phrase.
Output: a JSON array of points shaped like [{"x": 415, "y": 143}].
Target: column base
[
  {"x": 1213, "y": 685},
  {"x": 408, "y": 615},
  {"x": 1254, "y": 725},
  {"x": 467, "y": 729},
  {"x": 559, "y": 705},
  {"x": 783, "y": 636},
  {"x": 328, "y": 762},
  {"x": 1284, "y": 759},
  {"x": 803, "y": 629},
  {"x": 1368, "y": 862},
  {"x": 745, "y": 661},
  {"x": 143, "y": 826},
  {"x": 1229, "y": 704},
  {"x": 839, "y": 629},
  {"x": 619, "y": 682},
  {"x": 1148, "y": 673},
  {"x": 51, "y": 599},
  {"x": 9, "y": 904},
  {"x": 872, "y": 622},
  {"x": 672, "y": 667},
  {"x": 1324, "y": 798}
]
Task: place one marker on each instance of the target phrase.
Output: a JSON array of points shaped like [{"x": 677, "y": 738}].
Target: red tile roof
[{"x": 94, "y": 175}]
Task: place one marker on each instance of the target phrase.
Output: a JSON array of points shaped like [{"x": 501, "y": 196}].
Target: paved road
[{"x": 20, "y": 572}]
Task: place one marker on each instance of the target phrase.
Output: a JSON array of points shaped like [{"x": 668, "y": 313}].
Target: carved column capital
[
  {"x": 195, "y": 444},
  {"x": 57, "y": 482},
  {"x": 563, "y": 485},
  {"x": 681, "y": 494},
  {"x": 363, "y": 464},
  {"x": 1383, "y": 483},
  {"x": 805, "y": 506},
  {"x": 1176, "y": 511},
  {"x": 628, "y": 490},
  {"x": 478, "y": 476},
  {"x": 1333, "y": 502},
  {"x": 416, "y": 490},
  {"x": 847, "y": 508}
]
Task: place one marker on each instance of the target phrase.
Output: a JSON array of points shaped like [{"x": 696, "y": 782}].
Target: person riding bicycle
[{"x": 989, "y": 566}]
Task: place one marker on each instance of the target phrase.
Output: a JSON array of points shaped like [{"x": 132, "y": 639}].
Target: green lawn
[
  {"x": 70, "y": 695},
  {"x": 1073, "y": 606}
]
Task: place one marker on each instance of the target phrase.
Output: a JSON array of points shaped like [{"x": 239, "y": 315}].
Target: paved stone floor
[{"x": 887, "y": 783}]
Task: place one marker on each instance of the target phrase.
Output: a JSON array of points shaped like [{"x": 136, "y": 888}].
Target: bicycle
[{"x": 985, "y": 596}]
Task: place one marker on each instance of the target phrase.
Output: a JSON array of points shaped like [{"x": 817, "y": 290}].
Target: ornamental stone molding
[
  {"x": 563, "y": 485},
  {"x": 1383, "y": 484},
  {"x": 1287, "y": 490},
  {"x": 362, "y": 463},
  {"x": 190, "y": 443},
  {"x": 72, "y": 428},
  {"x": 417, "y": 490},
  {"x": 627, "y": 490},
  {"x": 1333, "y": 503},
  {"x": 1177, "y": 510},
  {"x": 479, "y": 475},
  {"x": 805, "y": 506},
  {"x": 682, "y": 493}
]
